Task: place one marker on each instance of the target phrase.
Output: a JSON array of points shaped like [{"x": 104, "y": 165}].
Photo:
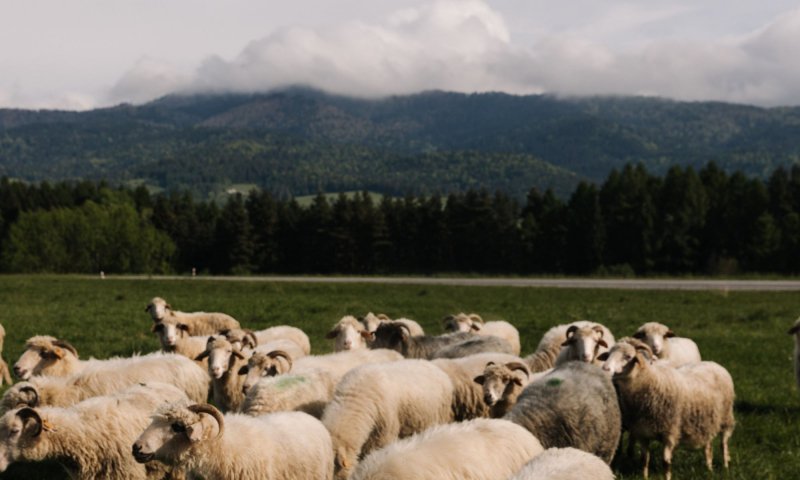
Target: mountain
[{"x": 299, "y": 141}]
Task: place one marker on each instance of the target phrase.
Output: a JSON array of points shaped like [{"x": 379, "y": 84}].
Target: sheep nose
[
  {"x": 489, "y": 399},
  {"x": 136, "y": 448},
  {"x": 19, "y": 372}
]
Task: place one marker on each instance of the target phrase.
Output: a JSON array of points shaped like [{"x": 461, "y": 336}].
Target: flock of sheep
[{"x": 390, "y": 403}]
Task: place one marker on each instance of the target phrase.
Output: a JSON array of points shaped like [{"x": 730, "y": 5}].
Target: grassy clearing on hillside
[{"x": 745, "y": 332}]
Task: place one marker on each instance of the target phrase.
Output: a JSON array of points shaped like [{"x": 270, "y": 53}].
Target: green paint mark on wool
[
  {"x": 289, "y": 381},
  {"x": 554, "y": 382}
]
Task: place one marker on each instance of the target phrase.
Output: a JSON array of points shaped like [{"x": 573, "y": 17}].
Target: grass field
[{"x": 745, "y": 332}]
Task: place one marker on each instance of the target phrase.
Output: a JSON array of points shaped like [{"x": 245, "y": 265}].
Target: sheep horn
[
  {"x": 252, "y": 336},
  {"x": 571, "y": 330},
  {"x": 66, "y": 346},
  {"x": 26, "y": 413},
  {"x": 280, "y": 353},
  {"x": 31, "y": 390},
  {"x": 518, "y": 366},
  {"x": 598, "y": 329},
  {"x": 475, "y": 317},
  {"x": 210, "y": 410}
]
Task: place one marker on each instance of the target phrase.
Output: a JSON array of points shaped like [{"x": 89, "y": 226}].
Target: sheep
[
  {"x": 584, "y": 342},
  {"x": 544, "y": 357},
  {"x": 376, "y": 404},
  {"x": 502, "y": 384},
  {"x": 108, "y": 376},
  {"x": 196, "y": 323},
  {"x": 198, "y": 438},
  {"x": 468, "y": 400},
  {"x": 795, "y": 330},
  {"x": 473, "y": 346},
  {"x": 482, "y": 449},
  {"x": 691, "y": 404},
  {"x": 396, "y": 336},
  {"x": 474, "y": 323},
  {"x": 371, "y": 322},
  {"x": 5, "y": 375},
  {"x": 263, "y": 364},
  {"x": 252, "y": 339},
  {"x": 308, "y": 392},
  {"x": 564, "y": 464},
  {"x": 575, "y": 405},
  {"x": 188, "y": 346},
  {"x": 666, "y": 346},
  {"x": 90, "y": 439},
  {"x": 347, "y": 334},
  {"x": 46, "y": 355}
]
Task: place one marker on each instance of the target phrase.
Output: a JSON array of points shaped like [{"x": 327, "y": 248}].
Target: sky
[{"x": 82, "y": 54}]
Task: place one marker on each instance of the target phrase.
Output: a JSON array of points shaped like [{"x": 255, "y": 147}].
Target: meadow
[{"x": 743, "y": 331}]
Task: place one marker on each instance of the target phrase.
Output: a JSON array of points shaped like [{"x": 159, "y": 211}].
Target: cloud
[{"x": 465, "y": 45}]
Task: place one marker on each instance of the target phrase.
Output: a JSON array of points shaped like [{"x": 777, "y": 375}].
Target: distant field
[{"x": 743, "y": 331}]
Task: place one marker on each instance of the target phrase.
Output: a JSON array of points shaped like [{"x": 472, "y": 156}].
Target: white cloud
[{"x": 148, "y": 79}]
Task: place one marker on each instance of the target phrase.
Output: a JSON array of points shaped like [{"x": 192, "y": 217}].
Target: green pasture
[{"x": 745, "y": 332}]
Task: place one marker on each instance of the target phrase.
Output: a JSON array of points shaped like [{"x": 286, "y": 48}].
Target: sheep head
[
  {"x": 462, "y": 322},
  {"x": 584, "y": 342},
  {"x": 501, "y": 381},
  {"x": 347, "y": 334},
  {"x": 241, "y": 338},
  {"x": 169, "y": 331},
  {"x": 222, "y": 356},
  {"x": 262, "y": 364},
  {"x": 21, "y": 394},
  {"x": 158, "y": 309},
  {"x": 391, "y": 335},
  {"x": 43, "y": 353},
  {"x": 20, "y": 429},
  {"x": 625, "y": 357},
  {"x": 174, "y": 429},
  {"x": 655, "y": 335}
]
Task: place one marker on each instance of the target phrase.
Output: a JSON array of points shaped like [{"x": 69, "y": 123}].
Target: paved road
[{"x": 618, "y": 284}]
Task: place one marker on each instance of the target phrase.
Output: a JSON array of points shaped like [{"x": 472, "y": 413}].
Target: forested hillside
[{"x": 300, "y": 141}]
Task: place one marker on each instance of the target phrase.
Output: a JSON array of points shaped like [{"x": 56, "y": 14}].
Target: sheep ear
[
  {"x": 669, "y": 334},
  {"x": 794, "y": 329},
  {"x": 58, "y": 352},
  {"x": 340, "y": 459},
  {"x": 368, "y": 336},
  {"x": 603, "y": 356},
  {"x": 475, "y": 327},
  {"x": 516, "y": 381},
  {"x": 238, "y": 354},
  {"x": 194, "y": 432},
  {"x": 183, "y": 326},
  {"x": 639, "y": 335},
  {"x": 202, "y": 356},
  {"x": 602, "y": 343},
  {"x": 333, "y": 333},
  {"x": 157, "y": 327},
  {"x": 479, "y": 379},
  {"x": 244, "y": 370}
]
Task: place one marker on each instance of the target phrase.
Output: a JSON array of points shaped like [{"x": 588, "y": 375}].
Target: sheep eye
[{"x": 178, "y": 428}]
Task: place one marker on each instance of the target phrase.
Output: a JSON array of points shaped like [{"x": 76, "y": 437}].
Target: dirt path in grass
[{"x": 617, "y": 284}]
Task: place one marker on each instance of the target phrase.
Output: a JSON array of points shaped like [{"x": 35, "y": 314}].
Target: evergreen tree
[
  {"x": 234, "y": 243},
  {"x": 586, "y": 234}
]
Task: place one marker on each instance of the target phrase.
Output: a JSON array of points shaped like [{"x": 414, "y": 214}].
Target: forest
[{"x": 686, "y": 221}]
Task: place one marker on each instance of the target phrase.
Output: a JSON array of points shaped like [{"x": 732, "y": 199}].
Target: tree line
[{"x": 684, "y": 222}]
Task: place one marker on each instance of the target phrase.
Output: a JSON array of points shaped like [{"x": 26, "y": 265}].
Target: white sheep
[
  {"x": 208, "y": 445},
  {"x": 688, "y": 405},
  {"x": 265, "y": 364},
  {"x": 474, "y": 323},
  {"x": 5, "y": 375},
  {"x": 252, "y": 339},
  {"x": 90, "y": 439},
  {"x": 109, "y": 376},
  {"x": 308, "y": 392},
  {"x": 485, "y": 449},
  {"x": 196, "y": 323},
  {"x": 501, "y": 384},
  {"x": 575, "y": 405},
  {"x": 795, "y": 330},
  {"x": 584, "y": 342},
  {"x": 46, "y": 355},
  {"x": 371, "y": 322},
  {"x": 468, "y": 399},
  {"x": 564, "y": 464},
  {"x": 347, "y": 334},
  {"x": 375, "y": 405},
  {"x": 224, "y": 362},
  {"x": 676, "y": 351}
]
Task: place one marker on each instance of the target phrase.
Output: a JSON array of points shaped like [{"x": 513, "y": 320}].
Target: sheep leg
[
  {"x": 726, "y": 456},
  {"x": 668, "y": 447},
  {"x": 6, "y": 373},
  {"x": 709, "y": 457},
  {"x": 645, "y": 461}
]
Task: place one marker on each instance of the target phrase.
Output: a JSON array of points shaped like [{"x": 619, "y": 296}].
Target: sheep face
[
  {"x": 157, "y": 308},
  {"x": 584, "y": 342},
  {"x": 500, "y": 381},
  {"x": 457, "y": 323},
  {"x": 370, "y": 321},
  {"x": 655, "y": 335},
  {"x": 171, "y": 433},
  {"x": 347, "y": 334},
  {"x": 625, "y": 356},
  {"x": 169, "y": 332},
  {"x": 41, "y": 353},
  {"x": 19, "y": 429},
  {"x": 221, "y": 356},
  {"x": 391, "y": 335},
  {"x": 261, "y": 365}
]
